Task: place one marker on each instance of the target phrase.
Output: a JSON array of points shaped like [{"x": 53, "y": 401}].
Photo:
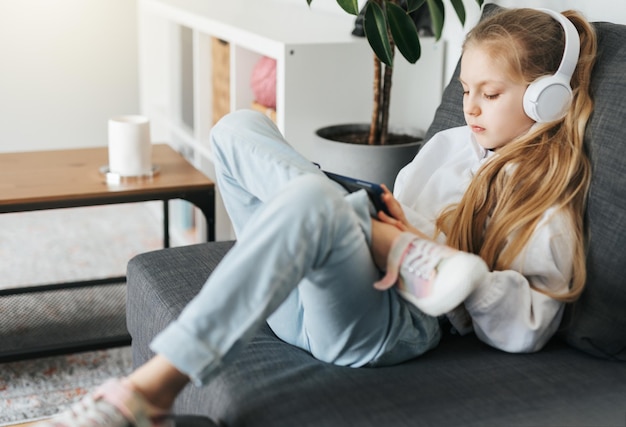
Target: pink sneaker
[
  {"x": 433, "y": 277},
  {"x": 114, "y": 404}
]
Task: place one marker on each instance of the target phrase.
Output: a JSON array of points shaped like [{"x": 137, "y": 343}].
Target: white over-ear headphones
[{"x": 549, "y": 97}]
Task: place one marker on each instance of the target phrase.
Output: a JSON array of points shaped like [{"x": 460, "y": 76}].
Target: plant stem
[
  {"x": 386, "y": 97},
  {"x": 373, "y": 135},
  {"x": 386, "y": 90}
]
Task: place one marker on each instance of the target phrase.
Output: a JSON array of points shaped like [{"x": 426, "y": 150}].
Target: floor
[{"x": 66, "y": 245}]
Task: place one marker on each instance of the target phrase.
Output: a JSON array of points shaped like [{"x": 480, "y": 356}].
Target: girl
[{"x": 505, "y": 194}]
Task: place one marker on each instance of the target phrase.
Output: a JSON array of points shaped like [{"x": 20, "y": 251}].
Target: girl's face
[{"x": 492, "y": 101}]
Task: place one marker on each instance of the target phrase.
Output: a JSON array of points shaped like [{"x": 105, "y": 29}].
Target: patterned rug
[
  {"x": 38, "y": 388},
  {"x": 66, "y": 245}
]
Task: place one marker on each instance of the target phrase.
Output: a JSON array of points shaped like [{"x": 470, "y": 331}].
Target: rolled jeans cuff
[{"x": 188, "y": 354}]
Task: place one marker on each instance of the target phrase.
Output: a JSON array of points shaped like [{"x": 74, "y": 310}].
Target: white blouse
[{"x": 505, "y": 311}]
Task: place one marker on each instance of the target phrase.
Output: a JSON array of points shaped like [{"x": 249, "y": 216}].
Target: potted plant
[{"x": 387, "y": 25}]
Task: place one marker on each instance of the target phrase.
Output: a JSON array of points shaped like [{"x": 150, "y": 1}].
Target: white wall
[
  {"x": 68, "y": 65},
  {"x": 65, "y": 67}
]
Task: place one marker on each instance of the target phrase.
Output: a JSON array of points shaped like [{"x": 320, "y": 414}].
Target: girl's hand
[
  {"x": 397, "y": 218},
  {"x": 393, "y": 207}
]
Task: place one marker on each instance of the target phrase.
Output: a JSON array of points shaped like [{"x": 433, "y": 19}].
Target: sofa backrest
[{"x": 596, "y": 323}]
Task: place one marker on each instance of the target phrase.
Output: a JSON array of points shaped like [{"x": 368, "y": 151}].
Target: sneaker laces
[
  {"x": 420, "y": 265},
  {"x": 417, "y": 259}
]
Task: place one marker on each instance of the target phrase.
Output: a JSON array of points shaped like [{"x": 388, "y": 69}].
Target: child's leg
[
  {"x": 252, "y": 163},
  {"x": 158, "y": 381},
  {"x": 301, "y": 229},
  {"x": 308, "y": 230}
]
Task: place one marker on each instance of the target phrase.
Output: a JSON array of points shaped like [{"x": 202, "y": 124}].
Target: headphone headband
[{"x": 572, "y": 44}]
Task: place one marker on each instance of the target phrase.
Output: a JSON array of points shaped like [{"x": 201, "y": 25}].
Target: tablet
[{"x": 374, "y": 191}]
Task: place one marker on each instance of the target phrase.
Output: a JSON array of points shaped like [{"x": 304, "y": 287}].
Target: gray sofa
[{"x": 579, "y": 379}]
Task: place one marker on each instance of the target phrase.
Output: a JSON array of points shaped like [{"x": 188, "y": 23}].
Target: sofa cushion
[
  {"x": 462, "y": 382},
  {"x": 596, "y": 322}
]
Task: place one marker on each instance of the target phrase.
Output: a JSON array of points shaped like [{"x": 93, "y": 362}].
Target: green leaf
[
  {"x": 375, "y": 26},
  {"x": 437, "y": 16},
  {"x": 308, "y": 2},
  {"x": 459, "y": 9},
  {"x": 404, "y": 32},
  {"x": 413, "y": 5},
  {"x": 480, "y": 3},
  {"x": 350, "y": 6}
]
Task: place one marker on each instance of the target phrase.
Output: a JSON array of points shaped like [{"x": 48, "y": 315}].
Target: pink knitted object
[{"x": 263, "y": 82}]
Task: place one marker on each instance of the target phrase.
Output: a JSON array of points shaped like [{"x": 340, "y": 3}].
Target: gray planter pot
[{"x": 374, "y": 163}]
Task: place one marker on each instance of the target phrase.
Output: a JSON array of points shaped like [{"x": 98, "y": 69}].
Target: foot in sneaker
[
  {"x": 433, "y": 277},
  {"x": 114, "y": 404}
]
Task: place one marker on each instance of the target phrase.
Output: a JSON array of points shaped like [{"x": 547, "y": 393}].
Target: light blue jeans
[{"x": 302, "y": 262}]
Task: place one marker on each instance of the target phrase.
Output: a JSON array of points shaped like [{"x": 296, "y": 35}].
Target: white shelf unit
[{"x": 324, "y": 74}]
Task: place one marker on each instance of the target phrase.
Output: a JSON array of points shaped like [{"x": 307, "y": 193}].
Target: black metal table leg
[{"x": 166, "y": 224}]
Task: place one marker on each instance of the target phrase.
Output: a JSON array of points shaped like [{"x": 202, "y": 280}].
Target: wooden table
[
  {"x": 71, "y": 178},
  {"x": 40, "y": 180}
]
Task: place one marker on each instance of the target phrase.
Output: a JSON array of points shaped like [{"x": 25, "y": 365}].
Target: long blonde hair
[{"x": 545, "y": 168}]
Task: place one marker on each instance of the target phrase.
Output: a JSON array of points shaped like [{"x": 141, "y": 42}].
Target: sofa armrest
[{"x": 182, "y": 271}]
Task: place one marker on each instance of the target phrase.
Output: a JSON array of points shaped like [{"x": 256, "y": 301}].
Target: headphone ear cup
[{"x": 547, "y": 99}]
